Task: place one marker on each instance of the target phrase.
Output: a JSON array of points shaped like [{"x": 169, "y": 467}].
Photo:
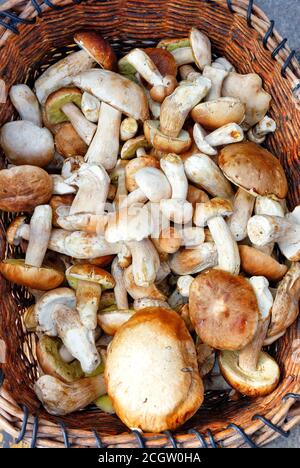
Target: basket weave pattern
[{"x": 240, "y": 31}]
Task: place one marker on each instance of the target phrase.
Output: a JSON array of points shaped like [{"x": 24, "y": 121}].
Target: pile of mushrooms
[{"x": 154, "y": 228}]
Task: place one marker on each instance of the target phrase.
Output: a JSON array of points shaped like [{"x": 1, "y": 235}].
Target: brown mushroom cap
[
  {"x": 134, "y": 166},
  {"x": 43, "y": 278},
  {"x": 90, "y": 273},
  {"x": 254, "y": 169},
  {"x": 164, "y": 143},
  {"x": 151, "y": 371},
  {"x": 257, "y": 263},
  {"x": 12, "y": 230},
  {"x": 68, "y": 143},
  {"x": 215, "y": 114},
  {"x": 98, "y": 48},
  {"x": 223, "y": 310},
  {"x": 59, "y": 98},
  {"x": 163, "y": 59},
  {"x": 59, "y": 200},
  {"x": 22, "y": 188}
]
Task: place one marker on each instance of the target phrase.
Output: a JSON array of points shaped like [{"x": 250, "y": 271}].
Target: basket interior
[{"x": 22, "y": 60}]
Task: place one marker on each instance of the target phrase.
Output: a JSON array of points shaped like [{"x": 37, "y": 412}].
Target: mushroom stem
[
  {"x": 40, "y": 232},
  {"x": 120, "y": 288},
  {"x": 60, "y": 398},
  {"x": 88, "y": 296},
  {"x": 268, "y": 206},
  {"x": 264, "y": 229},
  {"x": 183, "y": 55},
  {"x": 258, "y": 133},
  {"x": 26, "y": 103},
  {"x": 145, "y": 262},
  {"x": 173, "y": 168},
  {"x": 243, "y": 206},
  {"x": 228, "y": 252},
  {"x": 104, "y": 147},
  {"x": 188, "y": 73},
  {"x": 82, "y": 126},
  {"x": 216, "y": 76}
]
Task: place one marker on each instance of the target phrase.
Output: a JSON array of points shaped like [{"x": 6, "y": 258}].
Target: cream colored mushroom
[
  {"x": 128, "y": 128},
  {"x": 139, "y": 292},
  {"x": 145, "y": 262},
  {"x": 104, "y": 147},
  {"x": 217, "y": 77},
  {"x": 192, "y": 261},
  {"x": 215, "y": 114},
  {"x": 243, "y": 206},
  {"x": 26, "y": 103},
  {"x": 120, "y": 287},
  {"x": 183, "y": 55},
  {"x": 90, "y": 107},
  {"x": 258, "y": 133},
  {"x": 145, "y": 302},
  {"x": 192, "y": 236},
  {"x": 212, "y": 214},
  {"x": 60, "y": 186},
  {"x": 224, "y": 63},
  {"x": 248, "y": 88},
  {"x": 184, "y": 284},
  {"x": 226, "y": 135},
  {"x": 115, "y": 90},
  {"x": 201, "y": 48},
  {"x": 187, "y": 72},
  {"x": 60, "y": 74},
  {"x": 268, "y": 206},
  {"x": 176, "y": 107},
  {"x": 40, "y": 231},
  {"x": 203, "y": 172},
  {"x": 164, "y": 143},
  {"x": 85, "y": 129}
]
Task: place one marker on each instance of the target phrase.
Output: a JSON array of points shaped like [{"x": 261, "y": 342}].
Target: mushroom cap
[
  {"x": 210, "y": 209},
  {"x": 51, "y": 363},
  {"x": 131, "y": 146},
  {"x": 254, "y": 262},
  {"x": 134, "y": 166},
  {"x": 111, "y": 318},
  {"x": 68, "y": 143},
  {"x": 223, "y": 310},
  {"x": 173, "y": 44},
  {"x": 46, "y": 304},
  {"x": 12, "y": 230},
  {"x": 151, "y": 371},
  {"x": 140, "y": 292},
  {"x": 153, "y": 183},
  {"x": 163, "y": 60},
  {"x": 25, "y": 143},
  {"x": 260, "y": 382},
  {"x": 43, "y": 278},
  {"x": 254, "y": 169},
  {"x": 98, "y": 48},
  {"x": 90, "y": 273},
  {"x": 215, "y": 114},
  {"x": 165, "y": 143},
  {"x": 201, "y": 47},
  {"x": 59, "y": 98}
]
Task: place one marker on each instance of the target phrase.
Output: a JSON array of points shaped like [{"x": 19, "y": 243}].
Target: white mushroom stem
[
  {"x": 120, "y": 288},
  {"x": 40, "y": 231},
  {"x": 122, "y": 192},
  {"x": 200, "y": 135},
  {"x": 93, "y": 184},
  {"x": 88, "y": 296},
  {"x": 187, "y": 72},
  {"x": 268, "y": 206},
  {"x": 184, "y": 284},
  {"x": 203, "y": 172},
  {"x": 26, "y": 103},
  {"x": 173, "y": 168},
  {"x": 145, "y": 302},
  {"x": 60, "y": 187},
  {"x": 183, "y": 56},
  {"x": 243, "y": 206},
  {"x": 128, "y": 128},
  {"x": 153, "y": 105},
  {"x": 145, "y": 67},
  {"x": 261, "y": 130},
  {"x": 263, "y": 229},
  {"x": 231, "y": 133},
  {"x": 82, "y": 126},
  {"x": 90, "y": 107},
  {"x": 224, "y": 63},
  {"x": 217, "y": 77},
  {"x": 78, "y": 340},
  {"x": 192, "y": 236},
  {"x": 249, "y": 356},
  {"x": 104, "y": 147},
  {"x": 228, "y": 252},
  {"x": 145, "y": 262}
]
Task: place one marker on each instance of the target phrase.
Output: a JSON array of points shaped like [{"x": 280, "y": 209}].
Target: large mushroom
[
  {"x": 165, "y": 143},
  {"x": 217, "y": 113},
  {"x": 26, "y": 103},
  {"x": 97, "y": 48}
]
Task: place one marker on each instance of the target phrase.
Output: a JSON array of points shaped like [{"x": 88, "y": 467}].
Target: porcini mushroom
[
  {"x": 55, "y": 202},
  {"x": 201, "y": 48},
  {"x": 183, "y": 285},
  {"x": 120, "y": 287},
  {"x": 158, "y": 335},
  {"x": 257, "y": 263},
  {"x": 223, "y": 310},
  {"x": 140, "y": 292},
  {"x": 131, "y": 146},
  {"x": 128, "y": 128},
  {"x": 212, "y": 214},
  {"x": 164, "y": 143},
  {"x": 206, "y": 143},
  {"x": 61, "y": 398},
  {"x": 60, "y": 186},
  {"x": 89, "y": 281},
  {"x": 203, "y": 172},
  {"x": 115, "y": 90},
  {"x": 134, "y": 166},
  {"x": 26, "y": 103},
  {"x": 90, "y": 107},
  {"x": 258, "y": 133},
  {"x": 97, "y": 48},
  {"x": 40, "y": 231},
  {"x": 217, "y": 113},
  {"x": 169, "y": 241},
  {"x": 68, "y": 143},
  {"x": 217, "y": 77},
  {"x": 243, "y": 206},
  {"x": 192, "y": 261},
  {"x": 112, "y": 318},
  {"x": 23, "y": 142}
]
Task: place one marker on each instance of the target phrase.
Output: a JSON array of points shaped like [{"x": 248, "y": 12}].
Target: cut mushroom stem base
[
  {"x": 88, "y": 296},
  {"x": 260, "y": 382}
]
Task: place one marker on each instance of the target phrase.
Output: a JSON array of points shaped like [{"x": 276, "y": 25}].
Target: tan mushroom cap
[
  {"x": 134, "y": 166},
  {"x": 59, "y": 98},
  {"x": 44, "y": 278},
  {"x": 163, "y": 143},
  {"x": 254, "y": 262},
  {"x": 223, "y": 310},
  {"x": 12, "y": 230},
  {"x": 90, "y": 273},
  {"x": 260, "y": 382},
  {"x": 68, "y": 143},
  {"x": 163, "y": 59},
  {"x": 254, "y": 169},
  {"x": 98, "y": 48},
  {"x": 22, "y": 188},
  {"x": 215, "y": 114},
  {"x": 151, "y": 371},
  {"x": 51, "y": 363}
]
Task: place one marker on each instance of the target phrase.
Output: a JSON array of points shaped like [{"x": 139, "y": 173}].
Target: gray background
[{"x": 286, "y": 14}]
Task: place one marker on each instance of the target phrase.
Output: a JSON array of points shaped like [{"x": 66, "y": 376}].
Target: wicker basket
[{"x": 33, "y": 34}]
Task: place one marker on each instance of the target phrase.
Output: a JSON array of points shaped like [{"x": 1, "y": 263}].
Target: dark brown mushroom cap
[
  {"x": 163, "y": 59},
  {"x": 254, "y": 169},
  {"x": 257, "y": 263},
  {"x": 98, "y": 48},
  {"x": 90, "y": 273},
  {"x": 44, "y": 278},
  {"x": 223, "y": 310},
  {"x": 22, "y": 188}
]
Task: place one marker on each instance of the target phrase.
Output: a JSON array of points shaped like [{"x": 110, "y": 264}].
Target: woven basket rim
[{"x": 267, "y": 427}]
